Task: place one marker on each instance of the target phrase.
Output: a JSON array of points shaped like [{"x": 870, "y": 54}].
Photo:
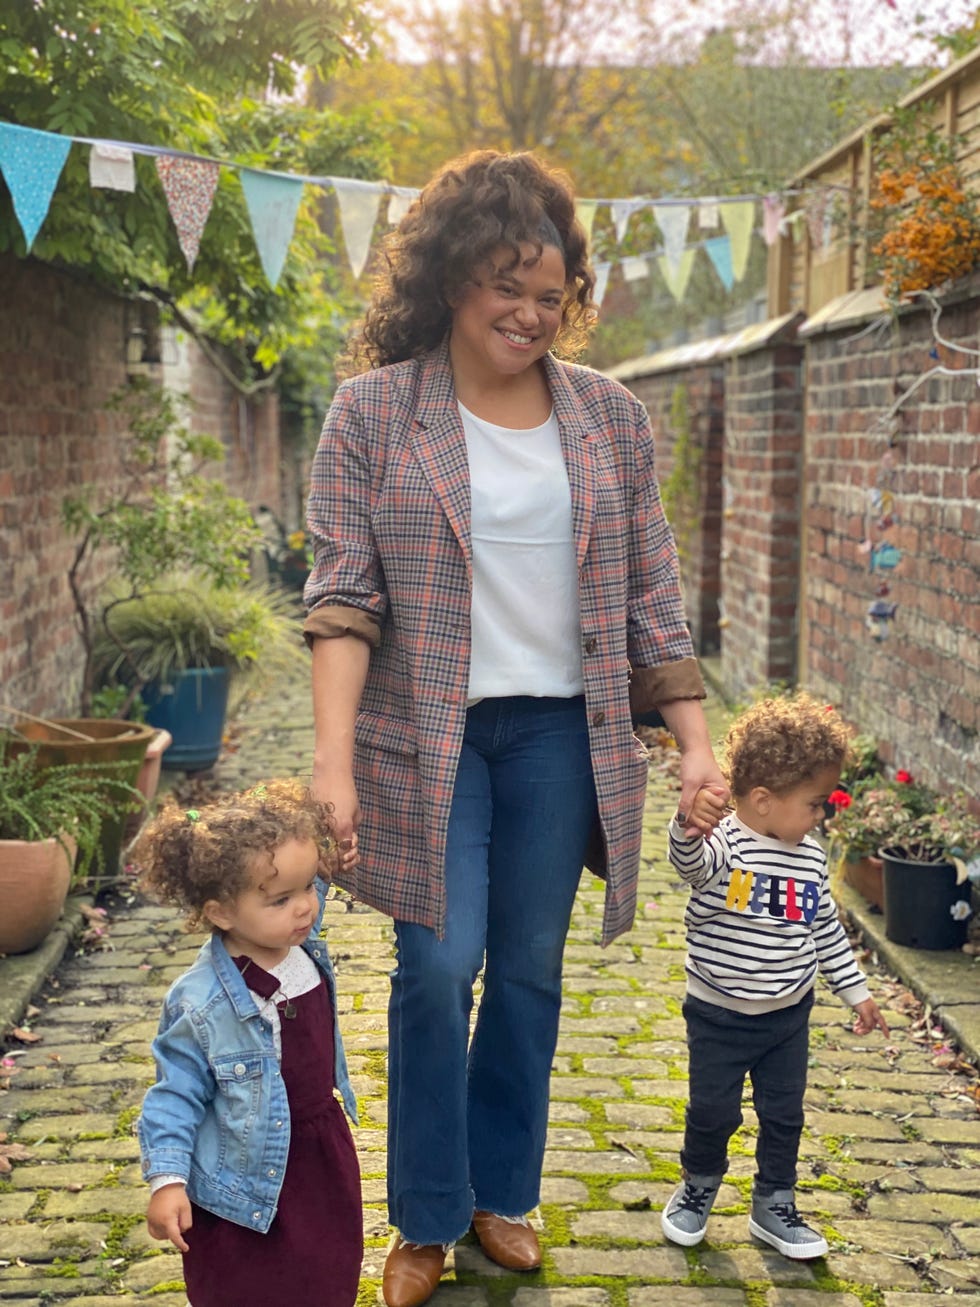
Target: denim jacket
[{"x": 218, "y": 1114}]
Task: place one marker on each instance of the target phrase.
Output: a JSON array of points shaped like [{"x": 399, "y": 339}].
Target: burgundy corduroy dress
[{"x": 311, "y": 1255}]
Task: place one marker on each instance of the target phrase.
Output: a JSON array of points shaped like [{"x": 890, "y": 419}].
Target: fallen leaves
[{"x": 10, "y": 1153}]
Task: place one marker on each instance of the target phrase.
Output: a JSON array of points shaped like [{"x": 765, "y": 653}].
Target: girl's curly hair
[
  {"x": 471, "y": 206},
  {"x": 782, "y": 742},
  {"x": 191, "y": 857}
]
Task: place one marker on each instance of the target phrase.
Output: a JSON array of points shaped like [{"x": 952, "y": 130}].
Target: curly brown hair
[
  {"x": 472, "y": 205},
  {"x": 189, "y": 858},
  {"x": 782, "y": 742}
]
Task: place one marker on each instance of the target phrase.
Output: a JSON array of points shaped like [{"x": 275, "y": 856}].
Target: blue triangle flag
[
  {"x": 272, "y": 201},
  {"x": 31, "y": 163},
  {"x": 719, "y": 250}
]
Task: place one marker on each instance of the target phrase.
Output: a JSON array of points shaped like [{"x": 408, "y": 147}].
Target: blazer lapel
[
  {"x": 578, "y": 437},
  {"x": 440, "y": 445}
]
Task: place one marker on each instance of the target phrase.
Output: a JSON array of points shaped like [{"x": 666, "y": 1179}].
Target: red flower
[
  {"x": 903, "y": 777},
  {"x": 839, "y": 799}
]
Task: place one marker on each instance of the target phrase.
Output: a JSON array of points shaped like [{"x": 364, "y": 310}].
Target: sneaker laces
[
  {"x": 788, "y": 1214},
  {"x": 693, "y": 1199}
]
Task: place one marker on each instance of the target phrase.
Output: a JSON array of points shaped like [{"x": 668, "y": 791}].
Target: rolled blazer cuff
[
  {"x": 652, "y": 686},
  {"x": 330, "y": 621}
]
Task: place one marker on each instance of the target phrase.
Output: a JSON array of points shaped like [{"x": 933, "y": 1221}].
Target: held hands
[
  {"x": 868, "y": 1017},
  {"x": 169, "y": 1215},
  {"x": 706, "y": 811}
]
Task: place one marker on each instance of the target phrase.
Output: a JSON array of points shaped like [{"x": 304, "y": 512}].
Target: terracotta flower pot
[
  {"x": 34, "y": 880},
  {"x": 147, "y": 782},
  {"x": 865, "y": 875}
]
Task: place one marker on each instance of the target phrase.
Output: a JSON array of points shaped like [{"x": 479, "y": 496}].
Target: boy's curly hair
[
  {"x": 471, "y": 206},
  {"x": 191, "y": 857},
  {"x": 782, "y": 742}
]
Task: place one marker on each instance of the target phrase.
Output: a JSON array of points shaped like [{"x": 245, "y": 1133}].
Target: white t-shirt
[{"x": 526, "y": 629}]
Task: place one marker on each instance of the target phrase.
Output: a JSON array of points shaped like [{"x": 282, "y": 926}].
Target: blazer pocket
[{"x": 392, "y": 734}]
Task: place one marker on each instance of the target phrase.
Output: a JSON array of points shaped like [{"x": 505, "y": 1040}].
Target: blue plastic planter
[{"x": 192, "y": 706}]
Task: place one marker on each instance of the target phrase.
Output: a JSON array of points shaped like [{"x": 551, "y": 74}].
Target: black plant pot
[{"x": 924, "y": 906}]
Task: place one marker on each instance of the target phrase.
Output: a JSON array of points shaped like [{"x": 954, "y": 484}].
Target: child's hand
[
  {"x": 706, "y": 811},
  {"x": 868, "y": 1017},
  {"x": 169, "y": 1215}
]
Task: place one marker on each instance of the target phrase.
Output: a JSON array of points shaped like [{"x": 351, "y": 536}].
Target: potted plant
[
  {"x": 924, "y": 842},
  {"x": 865, "y": 814},
  {"x": 186, "y": 642},
  {"x": 51, "y": 822}
]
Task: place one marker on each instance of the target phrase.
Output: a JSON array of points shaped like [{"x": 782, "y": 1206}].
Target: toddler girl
[{"x": 252, "y": 1168}]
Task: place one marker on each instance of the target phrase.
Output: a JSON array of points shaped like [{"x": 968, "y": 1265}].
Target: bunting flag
[
  {"x": 399, "y": 202},
  {"x": 273, "y": 201},
  {"x": 189, "y": 185},
  {"x": 112, "y": 168},
  {"x": 359, "y": 203},
  {"x": 635, "y": 268},
  {"x": 708, "y": 215},
  {"x": 738, "y": 218},
  {"x": 795, "y": 222},
  {"x": 678, "y": 277},
  {"x": 672, "y": 219},
  {"x": 773, "y": 212},
  {"x": 31, "y": 163},
  {"x": 815, "y": 208},
  {"x": 622, "y": 211},
  {"x": 585, "y": 211},
  {"x": 601, "y": 282},
  {"x": 719, "y": 251}
]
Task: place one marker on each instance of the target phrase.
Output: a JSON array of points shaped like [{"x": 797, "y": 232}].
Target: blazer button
[
  {"x": 598, "y": 719},
  {"x": 591, "y": 644}
]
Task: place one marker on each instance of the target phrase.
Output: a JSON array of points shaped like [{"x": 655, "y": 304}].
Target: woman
[{"x": 495, "y": 585}]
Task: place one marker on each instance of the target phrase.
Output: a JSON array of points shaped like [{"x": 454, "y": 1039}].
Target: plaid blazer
[{"x": 389, "y": 511}]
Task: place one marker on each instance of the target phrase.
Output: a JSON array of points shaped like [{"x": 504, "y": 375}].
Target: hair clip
[{"x": 192, "y": 814}]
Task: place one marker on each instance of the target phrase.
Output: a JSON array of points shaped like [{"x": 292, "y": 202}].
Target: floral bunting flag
[
  {"x": 678, "y": 277},
  {"x": 273, "y": 201},
  {"x": 738, "y": 217},
  {"x": 719, "y": 251},
  {"x": 708, "y": 218},
  {"x": 189, "y": 185},
  {"x": 31, "y": 163},
  {"x": 111, "y": 167},
  {"x": 672, "y": 219},
  {"x": 815, "y": 208},
  {"x": 773, "y": 212},
  {"x": 359, "y": 202}
]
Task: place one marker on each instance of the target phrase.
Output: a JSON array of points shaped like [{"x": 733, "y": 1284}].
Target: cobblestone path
[{"x": 891, "y": 1158}]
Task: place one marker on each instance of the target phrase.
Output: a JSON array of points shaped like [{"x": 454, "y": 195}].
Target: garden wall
[
  {"x": 65, "y": 345},
  {"x": 850, "y": 542}
]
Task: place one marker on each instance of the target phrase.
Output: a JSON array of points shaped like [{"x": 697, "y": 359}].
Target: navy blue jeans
[
  {"x": 724, "y": 1047},
  {"x": 467, "y": 1118}
]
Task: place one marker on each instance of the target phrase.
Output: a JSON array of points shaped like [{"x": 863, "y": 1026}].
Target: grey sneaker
[
  {"x": 775, "y": 1220},
  {"x": 685, "y": 1218}
]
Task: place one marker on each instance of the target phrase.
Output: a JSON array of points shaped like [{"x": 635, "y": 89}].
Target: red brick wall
[
  {"x": 760, "y": 528},
  {"x": 701, "y": 551},
  {"x": 917, "y": 689},
  {"x": 64, "y": 342}
]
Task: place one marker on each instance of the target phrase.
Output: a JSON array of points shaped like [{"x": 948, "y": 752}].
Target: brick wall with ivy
[
  {"x": 64, "y": 346},
  {"x": 686, "y": 409}
]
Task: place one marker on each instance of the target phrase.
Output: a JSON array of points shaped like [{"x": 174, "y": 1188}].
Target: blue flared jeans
[{"x": 467, "y": 1117}]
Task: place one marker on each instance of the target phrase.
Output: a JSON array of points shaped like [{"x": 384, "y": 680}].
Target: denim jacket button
[
  {"x": 239, "y": 1068},
  {"x": 278, "y": 1125},
  {"x": 272, "y": 1173},
  {"x": 256, "y": 1216}
]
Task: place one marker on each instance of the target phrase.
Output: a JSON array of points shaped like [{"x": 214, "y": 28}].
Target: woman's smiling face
[{"x": 507, "y": 317}]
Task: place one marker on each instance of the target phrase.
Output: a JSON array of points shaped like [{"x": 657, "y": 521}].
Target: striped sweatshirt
[{"x": 760, "y": 920}]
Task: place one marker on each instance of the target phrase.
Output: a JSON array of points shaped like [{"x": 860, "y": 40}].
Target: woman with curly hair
[
  {"x": 760, "y": 924},
  {"x": 252, "y": 1169},
  {"x": 494, "y": 588}
]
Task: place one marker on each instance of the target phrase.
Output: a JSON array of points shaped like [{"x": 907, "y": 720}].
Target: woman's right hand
[{"x": 337, "y": 789}]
